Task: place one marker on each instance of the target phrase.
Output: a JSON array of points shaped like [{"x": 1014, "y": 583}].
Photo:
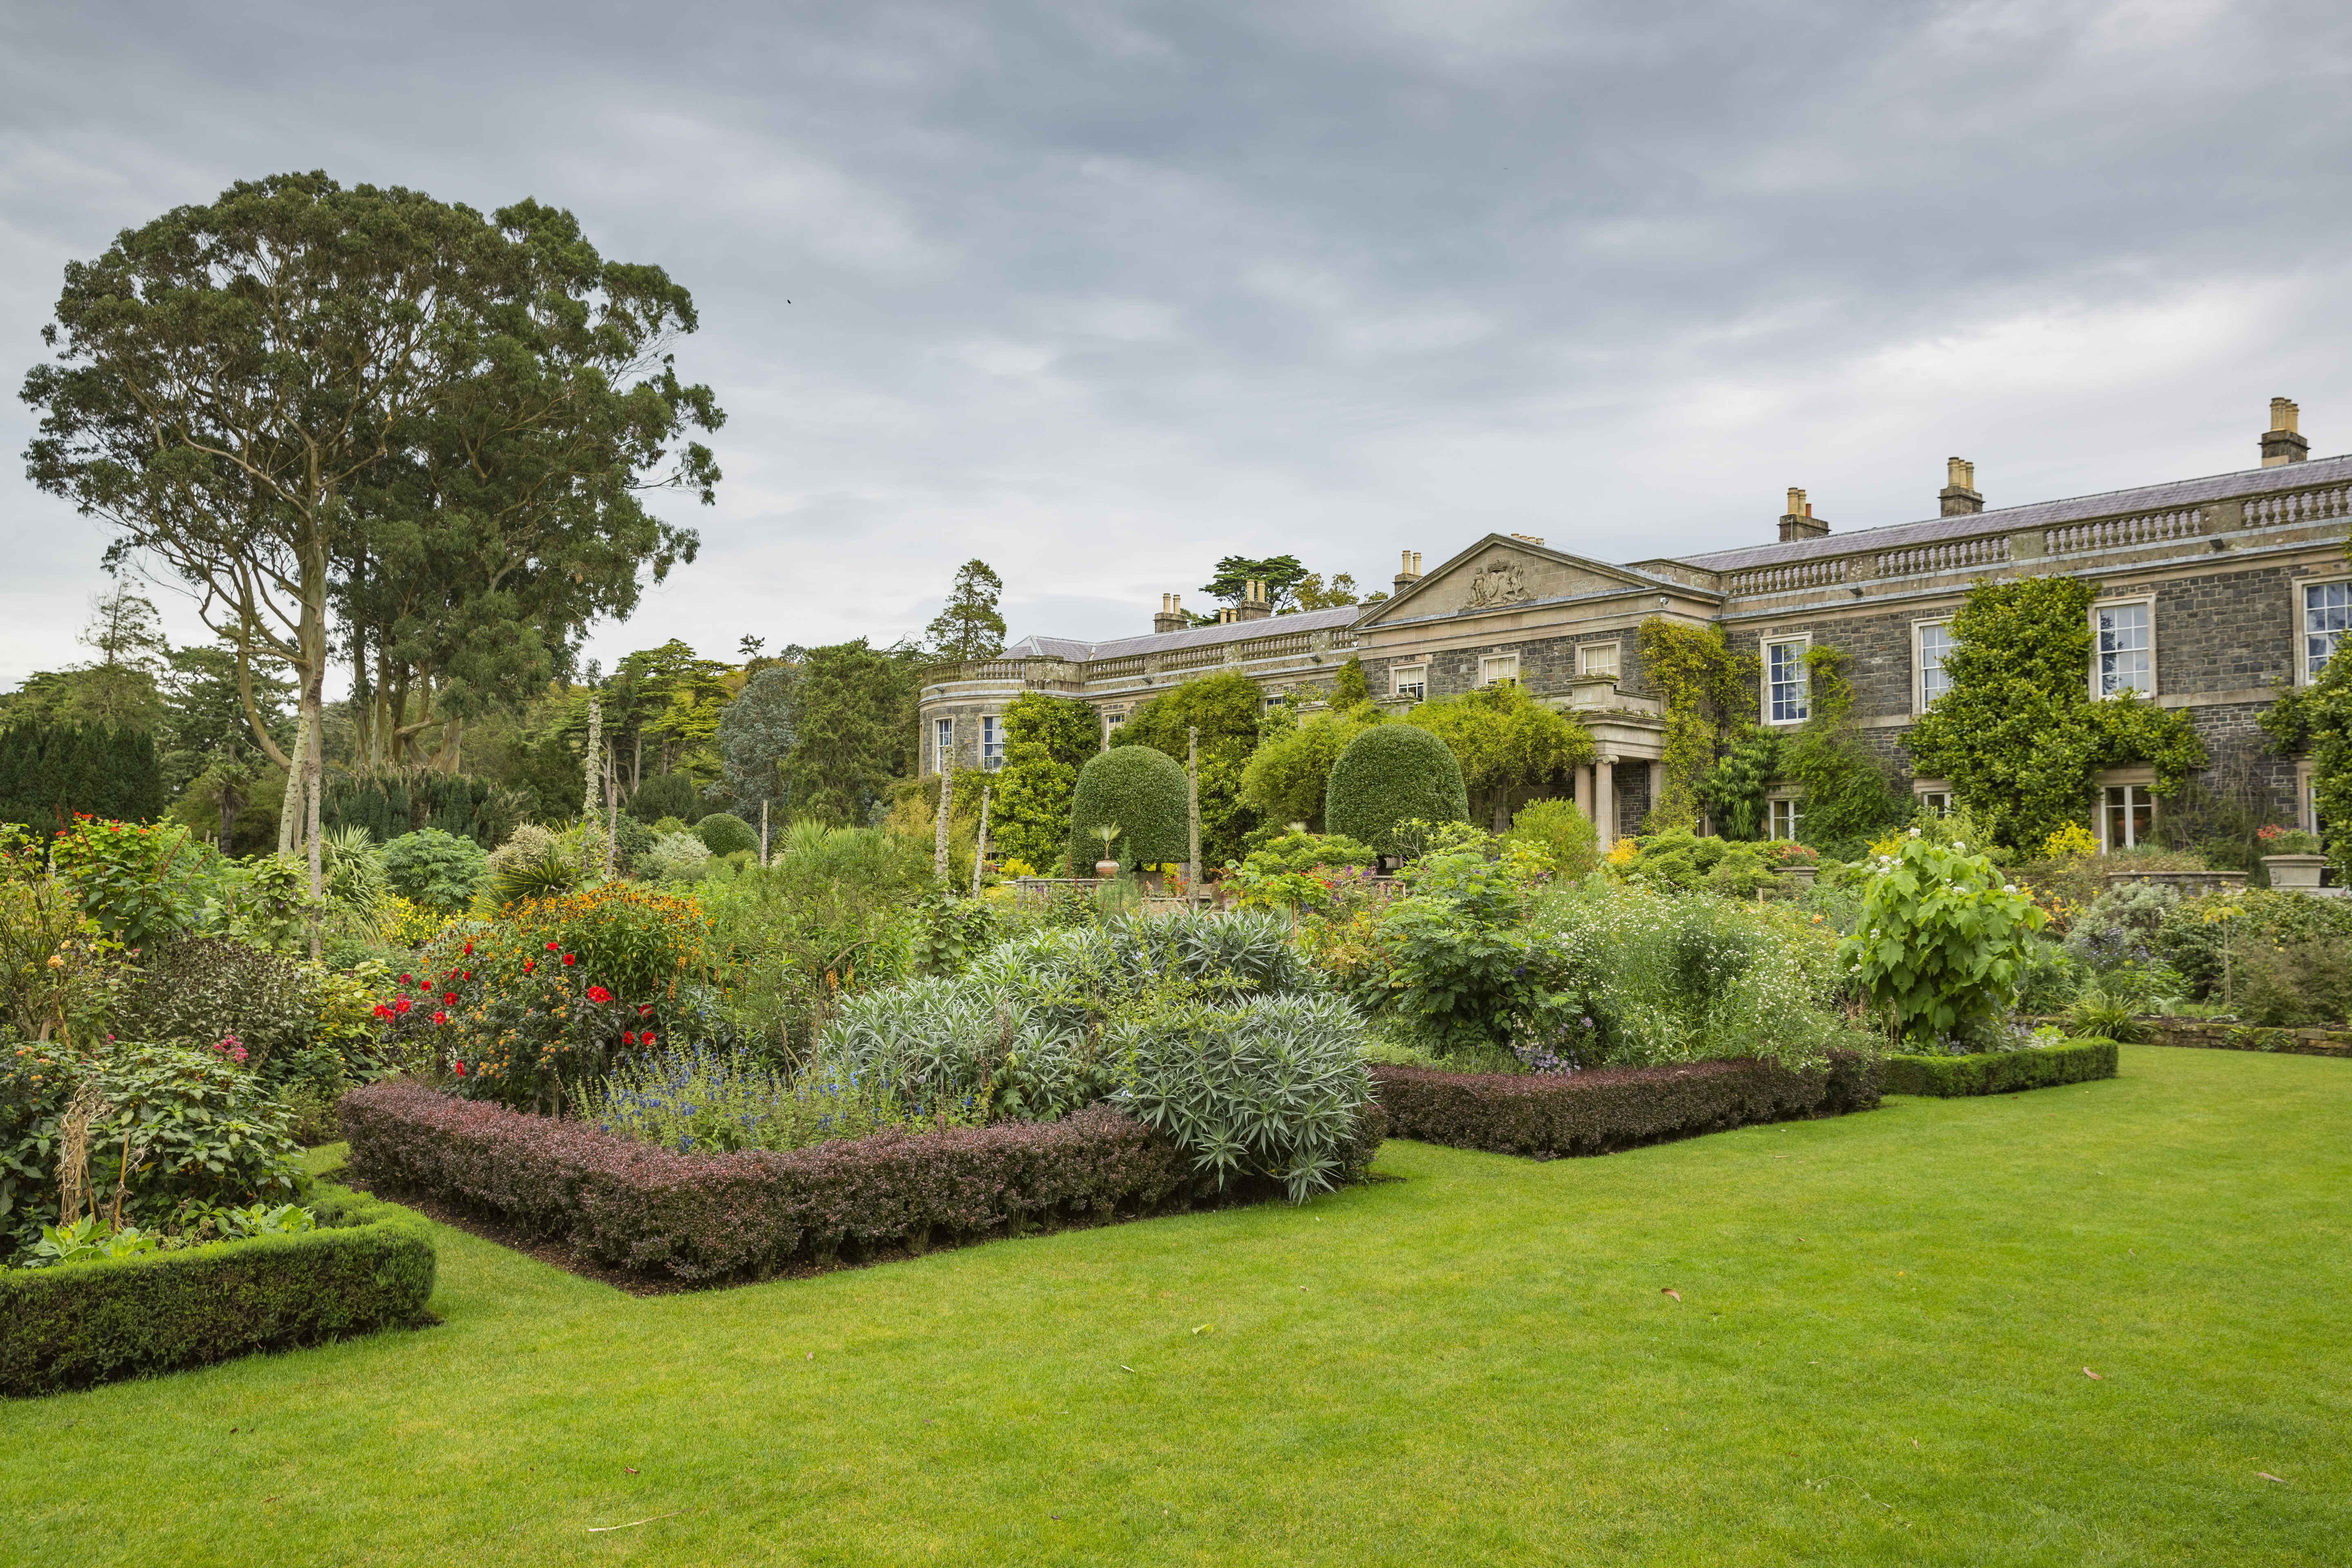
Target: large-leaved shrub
[{"x": 1942, "y": 941}]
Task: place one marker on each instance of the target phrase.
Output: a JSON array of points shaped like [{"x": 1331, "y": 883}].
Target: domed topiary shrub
[
  {"x": 1392, "y": 774},
  {"x": 726, "y": 832},
  {"x": 1139, "y": 788}
]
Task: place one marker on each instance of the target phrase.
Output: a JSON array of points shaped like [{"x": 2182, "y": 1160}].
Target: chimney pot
[
  {"x": 1960, "y": 496},
  {"x": 1407, "y": 569},
  {"x": 2281, "y": 443},
  {"x": 1799, "y": 522}
]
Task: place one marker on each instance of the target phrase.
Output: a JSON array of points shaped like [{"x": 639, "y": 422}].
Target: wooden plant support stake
[{"x": 980, "y": 849}]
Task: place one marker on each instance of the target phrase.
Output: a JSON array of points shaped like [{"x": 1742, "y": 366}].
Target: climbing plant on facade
[
  {"x": 1849, "y": 793},
  {"x": 2018, "y": 734},
  {"x": 1704, "y": 684}
]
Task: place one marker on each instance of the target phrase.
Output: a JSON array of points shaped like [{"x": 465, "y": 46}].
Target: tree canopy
[
  {"x": 1226, "y": 709},
  {"x": 969, "y": 626},
  {"x": 855, "y": 730},
  {"x": 1505, "y": 741}
]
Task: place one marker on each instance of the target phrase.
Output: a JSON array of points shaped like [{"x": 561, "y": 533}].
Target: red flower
[
  {"x": 408, "y": 979},
  {"x": 460, "y": 1068},
  {"x": 451, "y": 999},
  {"x": 469, "y": 950},
  {"x": 527, "y": 964},
  {"x": 403, "y": 1005},
  {"x": 644, "y": 1009},
  {"x": 381, "y": 1011},
  {"x": 646, "y": 1038},
  {"x": 553, "y": 947},
  {"x": 441, "y": 1018},
  {"x": 598, "y": 993},
  {"x": 627, "y": 1038},
  {"x": 569, "y": 961}
]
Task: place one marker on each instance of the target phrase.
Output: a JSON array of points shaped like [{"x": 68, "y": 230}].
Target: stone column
[
  {"x": 1585, "y": 790},
  {"x": 1604, "y": 799},
  {"x": 1657, "y": 783}
]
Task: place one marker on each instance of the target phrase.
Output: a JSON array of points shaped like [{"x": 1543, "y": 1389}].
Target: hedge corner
[{"x": 2001, "y": 1072}]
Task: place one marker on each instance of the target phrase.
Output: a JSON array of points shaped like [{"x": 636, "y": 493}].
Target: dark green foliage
[
  {"x": 2001, "y": 1072},
  {"x": 1686, "y": 863},
  {"x": 2317, "y": 720},
  {"x": 855, "y": 708},
  {"x": 1143, "y": 793},
  {"x": 1732, "y": 793},
  {"x": 199, "y": 990},
  {"x": 1048, "y": 739},
  {"x": 2018, "y": 734},
  {"x": 2194, "y": 931},
  {"x": 1600, "y": 1111},
  {"x": 726, "y": 834},
  {"x": 1226, "y": 709},
  {"x": 435, "y": 869},
  {"x": 969, "y": 628},
  {"x": 1282, "y": 574},
  {"x": 1849, "y": 796},
  {"x": 368, "y": 1266},
  {"x": 1392, "y": 774},
  {"x": 1347, "y": 689},
  {"x": 668, "y": 794},
  {"x": 755, "y": 735},
  {"x": 631, "y": 841},
  {"x": 392, "y": 802},
  {"x": 200, "y": 1130},
  {"x": 49, "y": 773}
]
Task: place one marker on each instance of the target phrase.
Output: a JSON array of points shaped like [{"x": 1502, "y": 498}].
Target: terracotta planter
[
  {"x": 2295, "y": 870},
  {"x": 1107, "y": 869}
]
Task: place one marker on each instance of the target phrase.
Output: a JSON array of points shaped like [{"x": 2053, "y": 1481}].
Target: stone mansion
[{"x": 2209, "y": 591}]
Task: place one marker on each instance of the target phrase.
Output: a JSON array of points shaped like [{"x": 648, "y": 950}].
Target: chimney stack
[
  {"x": 2280, "y": 444},
  {"x": 1407, "y": 569},
  {"x": 1172, "y": 617},
  {"x": 1959, "y": 494},
  {"x": 1799, "y": 522},
  {"x": 1254, "y": 605}
]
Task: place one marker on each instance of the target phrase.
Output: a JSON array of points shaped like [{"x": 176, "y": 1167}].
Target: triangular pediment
[{"x": 1503, "y": 572}]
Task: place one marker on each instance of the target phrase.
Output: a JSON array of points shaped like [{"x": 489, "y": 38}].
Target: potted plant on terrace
[
  {"x": 1107, "y": 867},
  {"x": 1797, "y": 863},
  {"x": 2292, "y": 859}
]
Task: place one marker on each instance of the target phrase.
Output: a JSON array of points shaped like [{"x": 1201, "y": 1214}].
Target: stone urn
[
  {"x": 2295, "y": 870},
  {"x": 1107, "y": 869},
  {"x": 1800, "y": 877}
]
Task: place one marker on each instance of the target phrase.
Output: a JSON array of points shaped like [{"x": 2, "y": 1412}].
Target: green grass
[{"x": 1475, "y": 1363}]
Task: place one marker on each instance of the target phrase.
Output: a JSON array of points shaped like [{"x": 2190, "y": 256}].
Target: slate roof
[
  {"x": 2040, "y": 514},
  {"x": 1191, "y": 637}
]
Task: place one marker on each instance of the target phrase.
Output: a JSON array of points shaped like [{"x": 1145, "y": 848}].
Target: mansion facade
[{"x": 2210, "y": 592}]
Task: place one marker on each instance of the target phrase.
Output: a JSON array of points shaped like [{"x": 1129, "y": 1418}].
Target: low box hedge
[
  {"x": 368, "y": 1266},
  {"x": 2001, "y": 1072},
  {"x": 755, "y": 1213},
  {"x": 1604, "y": 1110}
]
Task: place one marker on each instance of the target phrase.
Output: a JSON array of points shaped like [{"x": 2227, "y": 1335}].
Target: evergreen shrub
[
  {"x": 50, "y": 773},
  {"x": 2001, "y": 1072},
  {"x": 202, "y": 990},
  {"x": 1389, "y": 775},
  {"x": 1141, "y": 790},
  {"x": 437, "y": 869},
  {"x": 393, "y": 803},
  {"x": 1598, "y": 1112},
  {"x": 666, "y": 794},
  {"x": 726, "y": 834},
  {"x": 368, "y": 1266}
]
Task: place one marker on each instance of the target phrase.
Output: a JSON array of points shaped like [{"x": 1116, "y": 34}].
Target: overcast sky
[{"x": 1102, "y": 292}]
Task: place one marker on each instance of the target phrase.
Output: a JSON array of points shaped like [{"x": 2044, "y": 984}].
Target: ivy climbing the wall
[
  {"x": 1849, "y": 795},
  {"x": 2018, "y": 734},
  {"x": 2317, "y": 720},
  {"x": 1704, "y": 685}
]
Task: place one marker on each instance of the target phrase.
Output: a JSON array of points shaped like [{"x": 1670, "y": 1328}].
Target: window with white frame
[
  {"x": 1410, "y": 681},
  {"x": 1598, "y": 659},
  {"x": 1497, "y": 666},
  {"x": 2326, "y": 612},
  {"x": 1783, "y": 817},
  {"x": 2127, "y": 816},
  {"x": 2124, "y": 658},
  {"x": 1935, "y": 642},
  {"x": 992, "y": 742},
  {"x": 1937, "y": 802},
  {"x": 2307, "y": 800},
  {"x": 942, "y": 744},
  {"x": 1787, "y": 691},
  {"x": 1118, "y": 718}
]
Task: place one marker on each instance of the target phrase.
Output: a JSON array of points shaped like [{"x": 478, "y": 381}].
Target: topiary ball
[
  {"x": 1143, "y": 791},
  {"x": 1392, "y": 774},
  {"x": 727, "y": 834}
]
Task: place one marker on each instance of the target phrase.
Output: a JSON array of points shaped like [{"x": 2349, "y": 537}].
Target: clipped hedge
[
  {"x": 2001, "y": 1072},
  {"x": 1604, "y": 1110},
  {"x": 369, "y": 1266},
  {"x": 1392, "y": 774},
  {"x": 752, "y": 1214},
  {"x": 1143, "y": 791}
]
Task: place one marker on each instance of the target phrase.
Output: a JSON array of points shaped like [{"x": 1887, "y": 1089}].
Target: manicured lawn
[{"x": 1877, "y": 1357}]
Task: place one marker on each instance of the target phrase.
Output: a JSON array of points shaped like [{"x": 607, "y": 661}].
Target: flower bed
[
  {"x": 2001, "y": 1072},
  {"x": 369, "y": 1267},
  {"x": 1605, "y": 1110},
  {"x": 756, "y": 1213}
]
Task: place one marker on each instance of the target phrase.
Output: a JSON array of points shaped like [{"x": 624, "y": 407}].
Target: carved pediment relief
[
  {"x": 1501, "y": 581},
  {"x": 1499, "y": 573}
]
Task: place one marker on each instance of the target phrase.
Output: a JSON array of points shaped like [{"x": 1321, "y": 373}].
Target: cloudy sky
[{"x": 1102, "y": 292}]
